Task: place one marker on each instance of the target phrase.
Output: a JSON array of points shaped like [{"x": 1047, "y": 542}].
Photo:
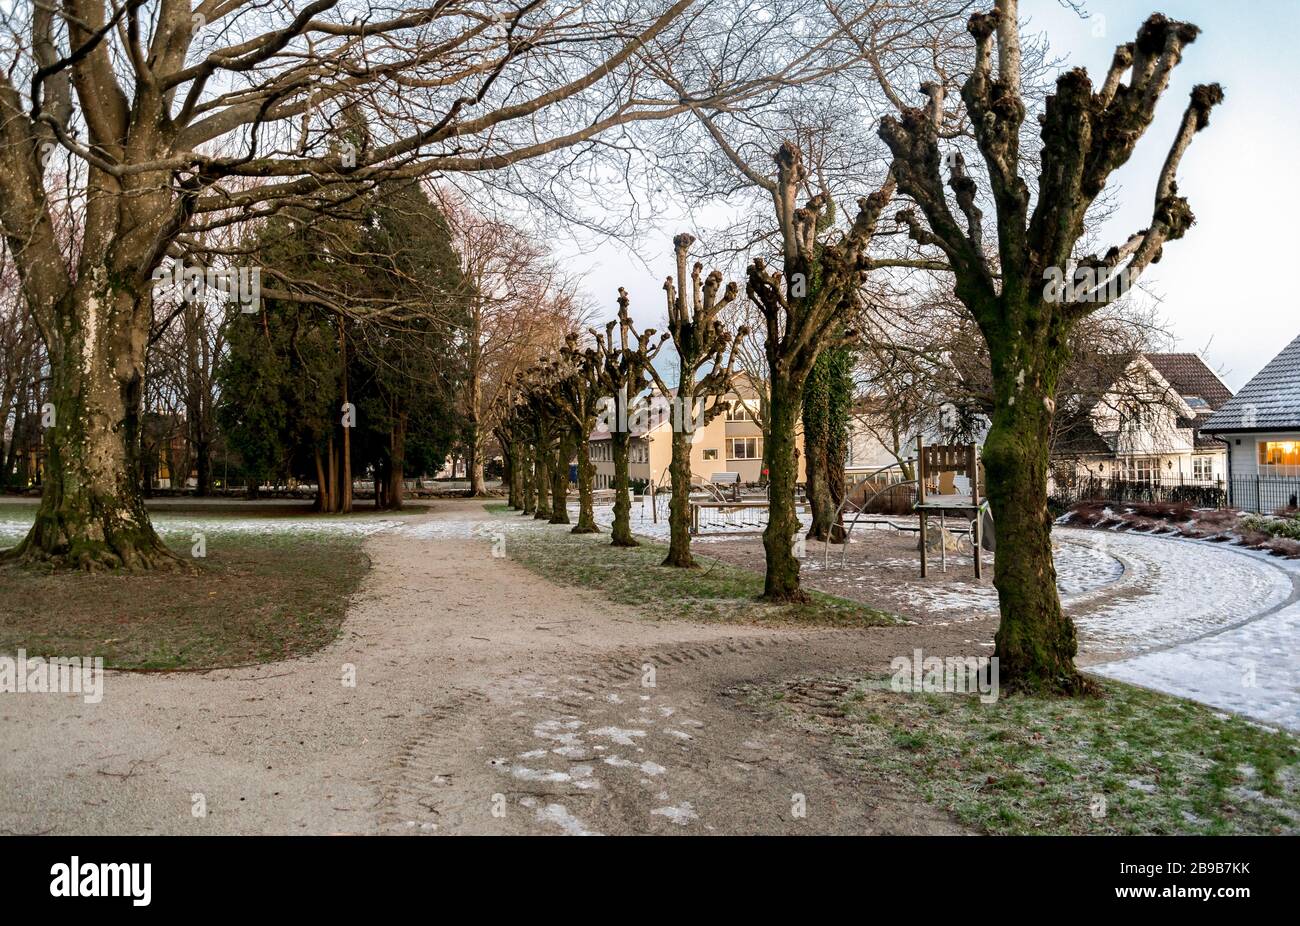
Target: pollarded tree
[
  {"x": 547, "y": 432},
  {"x": 577, "y": 395},
  {"x": 806, "y": 310},
  {"x": 624, "y": 373},
  {"x": 702, "y": 343},
  {"x": 1026, "y": 319}
]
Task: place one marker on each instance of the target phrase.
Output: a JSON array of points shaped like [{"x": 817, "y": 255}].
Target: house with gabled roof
[
  {"x": 1261, "y": 428},
  {"x": 1148, "y": 428}
]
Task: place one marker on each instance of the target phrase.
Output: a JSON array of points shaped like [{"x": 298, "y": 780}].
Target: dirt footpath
[{"x": 486, "y": 700}]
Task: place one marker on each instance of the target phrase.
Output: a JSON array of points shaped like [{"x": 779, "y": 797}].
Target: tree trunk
[
  {"x": 508, "y": 473},
  {"x": 621, "y": 535},
  {"x": 542, "y": 481},
  {"x": 345, "y": 453},
  {"x": 92, "y": 514},
  {"x": 528, "y": 496},
  {"x": 203, "y": 468},
  {"x": 781, "y": 582},
  {"x": 816, "y": 483},
  {"x": 560, "y": 481},
  {"x": 586, "y": 478},
  {"x": 322, "y": 492},
  {"x": 679, "y": 503},
  {"x": 1035, "y": 642},
  {"x": 332, "y": 495},
  {"x": 396, "y": 489},
  {"x": 836, "y": 458}
]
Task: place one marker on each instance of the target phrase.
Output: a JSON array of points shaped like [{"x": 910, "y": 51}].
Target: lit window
[{"x": 1279, "y": 453}]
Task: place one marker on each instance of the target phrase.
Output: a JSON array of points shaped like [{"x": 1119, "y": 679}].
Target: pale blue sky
[{"x": 1229, "y": 286}]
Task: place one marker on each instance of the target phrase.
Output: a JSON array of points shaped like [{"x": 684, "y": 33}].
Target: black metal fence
[
  {"x": 1250, "y": 493},
  {"x": 1170, "y": 490},
  {"x": 1264, "y": 494}
]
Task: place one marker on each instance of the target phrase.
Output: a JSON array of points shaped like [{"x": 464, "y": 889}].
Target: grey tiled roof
[
  {"x": 1270, "y": 401},
  {"x": 1189, "y": 376}
]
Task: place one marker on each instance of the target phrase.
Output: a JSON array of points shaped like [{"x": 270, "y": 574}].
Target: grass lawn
[
  {"x": 1132, "y": 762},
  {"x": 716, "y": 592},
  {"x": 255, "y": 597}
]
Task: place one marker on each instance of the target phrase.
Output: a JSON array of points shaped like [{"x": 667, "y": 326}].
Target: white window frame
[{"x": 757, "y": 443}]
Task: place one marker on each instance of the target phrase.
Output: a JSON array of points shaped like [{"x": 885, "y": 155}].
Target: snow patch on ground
[
  {"x": 1253, "y": 669},
  {"x": 681, "y": 814},
  {"x": 559, "y": 815},
  {"x": 176, "y": 528}
]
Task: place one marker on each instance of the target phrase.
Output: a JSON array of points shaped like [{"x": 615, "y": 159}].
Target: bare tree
[
  {"x": 805, "y": 310},
  {"x": 519, "y": 305},
  {"x": 1086, "y": 134},
  {"x": 703, "y": 343},
  {"x": 624, "y": 373}
]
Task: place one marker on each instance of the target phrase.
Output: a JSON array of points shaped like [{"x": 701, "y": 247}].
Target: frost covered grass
[
  {"x": 716, "y": 591},
  {"x": 1130, "y": 762},
  {"x": 257, "y": 595}
]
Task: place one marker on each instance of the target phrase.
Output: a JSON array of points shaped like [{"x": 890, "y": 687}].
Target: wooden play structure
[{"x": 938, "y": 492}]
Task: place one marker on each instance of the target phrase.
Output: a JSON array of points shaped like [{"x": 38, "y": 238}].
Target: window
[
  {"x": 1141, "y": 470},
  {"x": 737, "y": 411},
  {"x": 743, "y": 448},
  {"x": 1203, "y": 468},
  {"x": 711, "y": 454},
  {"x": 1280, "y": 453}
]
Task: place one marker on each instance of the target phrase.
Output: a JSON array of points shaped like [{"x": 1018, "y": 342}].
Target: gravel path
[{"x": 466, "y": 665}]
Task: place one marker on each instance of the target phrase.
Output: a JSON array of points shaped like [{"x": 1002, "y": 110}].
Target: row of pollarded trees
[{"x": 556, "y": 404}]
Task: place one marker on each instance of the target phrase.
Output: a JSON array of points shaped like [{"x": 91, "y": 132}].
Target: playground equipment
[
  {"x": 938, "y": 492},
  {"x": 944, "y": 464}
]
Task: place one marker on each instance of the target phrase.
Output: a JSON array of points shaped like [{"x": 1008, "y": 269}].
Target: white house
[
  {"x": 1150, "y": 427},
  {"x": 1261, "y": 425}
]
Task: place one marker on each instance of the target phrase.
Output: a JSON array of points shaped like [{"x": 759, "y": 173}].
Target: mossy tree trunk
[
  {"x": 621, "y": 533},
  {"x": 781, "y": 581},
  {"x": 92, "y": 514},
  {"x": 815, "y": 434},
  {"x": 560, "y": 480},
  {"x": 1035, "y": 643},
  {"x": 586, "y": 481}
]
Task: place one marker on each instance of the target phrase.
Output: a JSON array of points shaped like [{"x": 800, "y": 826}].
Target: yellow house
[{"x": 731, "y": 443}]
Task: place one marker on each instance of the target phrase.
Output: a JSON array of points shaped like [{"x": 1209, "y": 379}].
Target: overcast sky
[{"x": 1229, "y": 287}]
